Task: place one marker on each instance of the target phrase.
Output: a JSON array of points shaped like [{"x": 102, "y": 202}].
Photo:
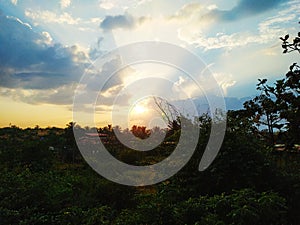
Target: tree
[
  {"x": 292, "y": 90},
  {"x": 169, "y": 112},
  {"x": 277, "y": 106},
  {"x": 140, "y": 131},
  {"x": 71, "y": 152},
  {"x": 264, "y": 109}
]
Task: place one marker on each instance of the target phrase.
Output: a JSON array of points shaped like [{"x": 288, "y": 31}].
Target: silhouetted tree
[
  {"x": 169, "y": 112},
  {"x": 277, "y": 106},
  {"x": 71, "y": 152},
  {"x": 291, "y": 86},
  {"x": 140, "y": 131}
]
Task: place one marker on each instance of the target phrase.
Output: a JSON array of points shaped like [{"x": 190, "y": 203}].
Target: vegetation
[{"x": 45, "y": 180}]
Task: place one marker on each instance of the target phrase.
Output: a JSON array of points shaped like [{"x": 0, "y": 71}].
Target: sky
[{"x": 51, "y": 51}]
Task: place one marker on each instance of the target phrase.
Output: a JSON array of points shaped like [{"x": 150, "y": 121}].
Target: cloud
[
  {"x": 21, "y": 48},
  {"x": 14, "y": 2},
  {"x": 102, "y": 84},
  {"x": 62, "y": 95},
  {"x": 119, "y": 21},
  {"x": 185, "y": 88},
  {"x": 141, "y": 2},
  {"x": 188, "y": 11},
  {"x": 107, "y": 4},
  {"x": 106, "y": 76},
  {"x": 198, "y": 19},
  {"x": 125, "y": 21},
  {"x": 243, "y": 9},
  {"x": 201, "y": 15},
  {"x": 221, "y": 40},
  {"x": 268, "y": 30},
  {"x": 121, "y": 4},
  {"x": 33, "y": 80},
  {"x": 225, "y": 81},
  {"x": 32, "y": 65},
  {"x": 65, "y": 3},
  {"x": 250, "y": 7},
  {"x": 51, "y": 17}
]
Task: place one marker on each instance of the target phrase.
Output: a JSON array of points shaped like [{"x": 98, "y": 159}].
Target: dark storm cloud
[
  {"x": 28, "y": 60},
  {"x": 33, "y": 80},
  {"x": 35, "y": 70},
  {"x": 245, "y": 8}
]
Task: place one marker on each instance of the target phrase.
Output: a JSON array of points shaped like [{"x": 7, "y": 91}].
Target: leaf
[
  {"x": 292, "y": 66},
  {"x": 286, "y": 37},
  {"x": 295, "y": 41},
  {"x": 289, "y": 74},
  {"x": 267, "y": 93},
  {"x": 263, "y": 81},
  {"x": 271, "y": 89}
]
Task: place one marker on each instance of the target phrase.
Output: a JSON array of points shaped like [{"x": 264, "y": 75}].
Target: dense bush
[{"x": 240, "y": 207}]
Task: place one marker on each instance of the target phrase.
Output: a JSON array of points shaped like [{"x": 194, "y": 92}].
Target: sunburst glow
[{"x": 139, "y": 109}]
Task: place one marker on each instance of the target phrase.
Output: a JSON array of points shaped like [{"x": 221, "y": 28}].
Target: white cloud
[
  {"x": 45, "y": 39},
  {"x": 19, "y": 21},
  {"x": 188, "y": 11},
  {"x": 15, "y": 2},
  {"x": 65, "y": 3},
  {"x": 48, "y": 38},
  {"x": 197, "y": 23},
  {"x": 122, "y": 5},
  {"x": 268, "y": 31},
  {"x": 107, "y": 4},
  {"x": 185, "y": 87},
  {"x": 212, "y": 7},
  {"x": 221, "y": 40},
  {"x": 51, "y": 17},
  {"x": 141, "y": 2},
  {"x": 62, "y": 95},
  {"x": 225, "y": 81}
]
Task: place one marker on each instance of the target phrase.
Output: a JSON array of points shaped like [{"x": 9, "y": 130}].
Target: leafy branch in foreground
[{"x": 290, "y": 46}]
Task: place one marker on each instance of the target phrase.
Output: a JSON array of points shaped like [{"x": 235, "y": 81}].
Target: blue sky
[{"x": 46, "y": 47}]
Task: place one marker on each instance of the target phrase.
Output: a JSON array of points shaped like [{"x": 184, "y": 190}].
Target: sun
[{"x": 138, "y": 109}]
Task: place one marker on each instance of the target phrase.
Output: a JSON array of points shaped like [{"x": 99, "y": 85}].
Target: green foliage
[
  {"x": 240, "y": 207},
  {"x": 39, "y": 186}
]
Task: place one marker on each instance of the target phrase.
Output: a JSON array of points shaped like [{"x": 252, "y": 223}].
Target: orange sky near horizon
[{"x": 27, "y": 115}]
